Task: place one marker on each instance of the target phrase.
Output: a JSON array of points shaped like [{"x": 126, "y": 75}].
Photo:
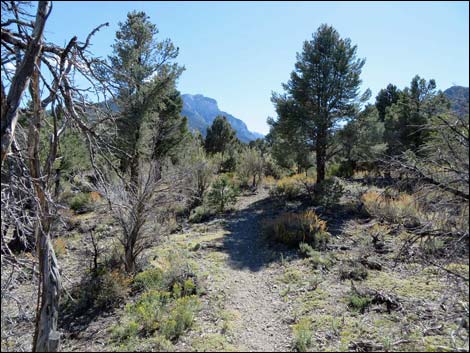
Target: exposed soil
[
  {"x": 255, "y": 291},
  {"x": 252, "y": 275}
]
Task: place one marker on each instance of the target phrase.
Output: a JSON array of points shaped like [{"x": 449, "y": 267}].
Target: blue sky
[{"x": 239, "y": 52}]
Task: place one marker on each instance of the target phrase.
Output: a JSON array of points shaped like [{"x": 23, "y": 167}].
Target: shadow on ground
[{"x": 246, "y": 245}]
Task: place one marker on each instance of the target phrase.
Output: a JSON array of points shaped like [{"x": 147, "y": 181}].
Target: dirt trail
[{"x": 251, "y": 277}]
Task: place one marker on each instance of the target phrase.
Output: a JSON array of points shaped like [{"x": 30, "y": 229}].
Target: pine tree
[
  {"x": 143, "y": 74},
  {"x": 324, "y": 88},
  {"x": 362, "y": 139},
  {"x": 405, "y": 120},
  {"x": 220, "y": 136},
  {"x": 386, "y": 98}
]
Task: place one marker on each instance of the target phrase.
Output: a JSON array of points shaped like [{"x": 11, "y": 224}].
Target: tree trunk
[
  {"x": 46, "y": 337},
  {"x": 131, "y": 241},
  {"x": 57, "y": 183},
  {"x": 321, "y": 154},
  {"x": 19, "y": 83},
  {"x": 129, "y": 260},
  {"x": 134, "y": 170}
]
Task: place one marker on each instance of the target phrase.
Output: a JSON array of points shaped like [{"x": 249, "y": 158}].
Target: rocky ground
[{"x": 257, "y": 292}]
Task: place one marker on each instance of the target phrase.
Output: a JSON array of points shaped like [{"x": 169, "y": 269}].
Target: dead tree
[
  {"x": 136, "y": 204},
  {"x": 25, "y": 67},
  {"x": 27, "y": 179},
  {"x": 439, "y": 176}
]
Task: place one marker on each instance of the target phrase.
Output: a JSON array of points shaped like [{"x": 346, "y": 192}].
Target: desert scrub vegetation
[
  {"x": 359, "y": 303},
  {"x": 291, "y": 187},
  {"x": 303, "y": 334},
  {"x": 164, "y": 309},
  {"x": 295, "y": 228},
  {"x": 160, "y": 311},
  {"x": 328, "y": 193},
  {"x": 149, "y": 279},
  {"x": 223, "y": 193},
  {"x": 200, "y": 214},
  {"x": 81, "y": 202},
  {"x": 352, "y": 269},
  {"x": 99, "y": 290},
  {"x": 394, "y": 207},
  {"x": 317, "y": 259}
]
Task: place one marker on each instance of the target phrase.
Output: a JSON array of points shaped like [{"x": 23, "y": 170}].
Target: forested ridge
[{"x": 346, "y": 228}]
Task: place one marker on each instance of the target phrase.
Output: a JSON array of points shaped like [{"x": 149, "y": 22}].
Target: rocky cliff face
[{"x": 201, "y": 112}]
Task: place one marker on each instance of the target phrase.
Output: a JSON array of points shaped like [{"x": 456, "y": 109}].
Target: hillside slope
[
  {"x": 458, "y": 96},
  {"x": 201, "y": 112}
]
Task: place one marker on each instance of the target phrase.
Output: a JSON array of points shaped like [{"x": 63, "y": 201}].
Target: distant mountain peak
[
  {"x": 201, "y": 112},
  {"x": 458, "y": 96}
]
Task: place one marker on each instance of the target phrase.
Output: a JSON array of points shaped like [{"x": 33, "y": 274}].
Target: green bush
[
  {"x": 352, "y": 270},
  {"x": 222, "y": 194},
  {"x": 149, "y": 279},
  {"x": 189, "y": 287},
  {"x": 303, "y": 335},
  {"x": 81, "y": 202},
  {"x": 178, "y": 276},
  {"x": 125, "y": 331},
  {"x": 178, "y": 269},
  {"x": 328, "y": 193},
  {"x": 149, "y": 309},
  {"x": 333, "y": 170},
  {"x": 359, "y": 303},
  {"x": 272, "y": 168},
  {"x": 316, "y": 258},
  {"x": 157, "y": 311},
  {"x": 180, "y": 317},
  {"x": 344, "y": 169},
  {"x": 103, "y": 290},
  {"x": 177, "y": 290},
  {"x": 200, "y": 214},
  {"x": 305, "y": 249},
  {"x": 66, "y": 196},
  {"x": 166, "y": 307}
]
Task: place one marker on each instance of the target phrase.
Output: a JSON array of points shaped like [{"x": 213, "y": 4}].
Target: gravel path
[{"x": 251, "y": 274}]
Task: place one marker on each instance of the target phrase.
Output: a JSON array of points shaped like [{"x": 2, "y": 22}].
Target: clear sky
[{"x": 239, "y": 52}]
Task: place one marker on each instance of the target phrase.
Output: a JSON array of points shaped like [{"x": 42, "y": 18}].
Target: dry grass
[
  {"x": 95, "y": 196},
  {"x": 60, "y": 247},
  {"x": 401, "y": 208},
  {"x": 295, "y": 228},
  {"x": 292, "y": 186}
]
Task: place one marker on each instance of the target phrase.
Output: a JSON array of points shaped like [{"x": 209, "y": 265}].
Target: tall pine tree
[
  {"x": 220, "y": 136},
  {"x": 144, "y": 77},
  {"x": 405, "y": 120},
  {"x": 324, "y": 88}
]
